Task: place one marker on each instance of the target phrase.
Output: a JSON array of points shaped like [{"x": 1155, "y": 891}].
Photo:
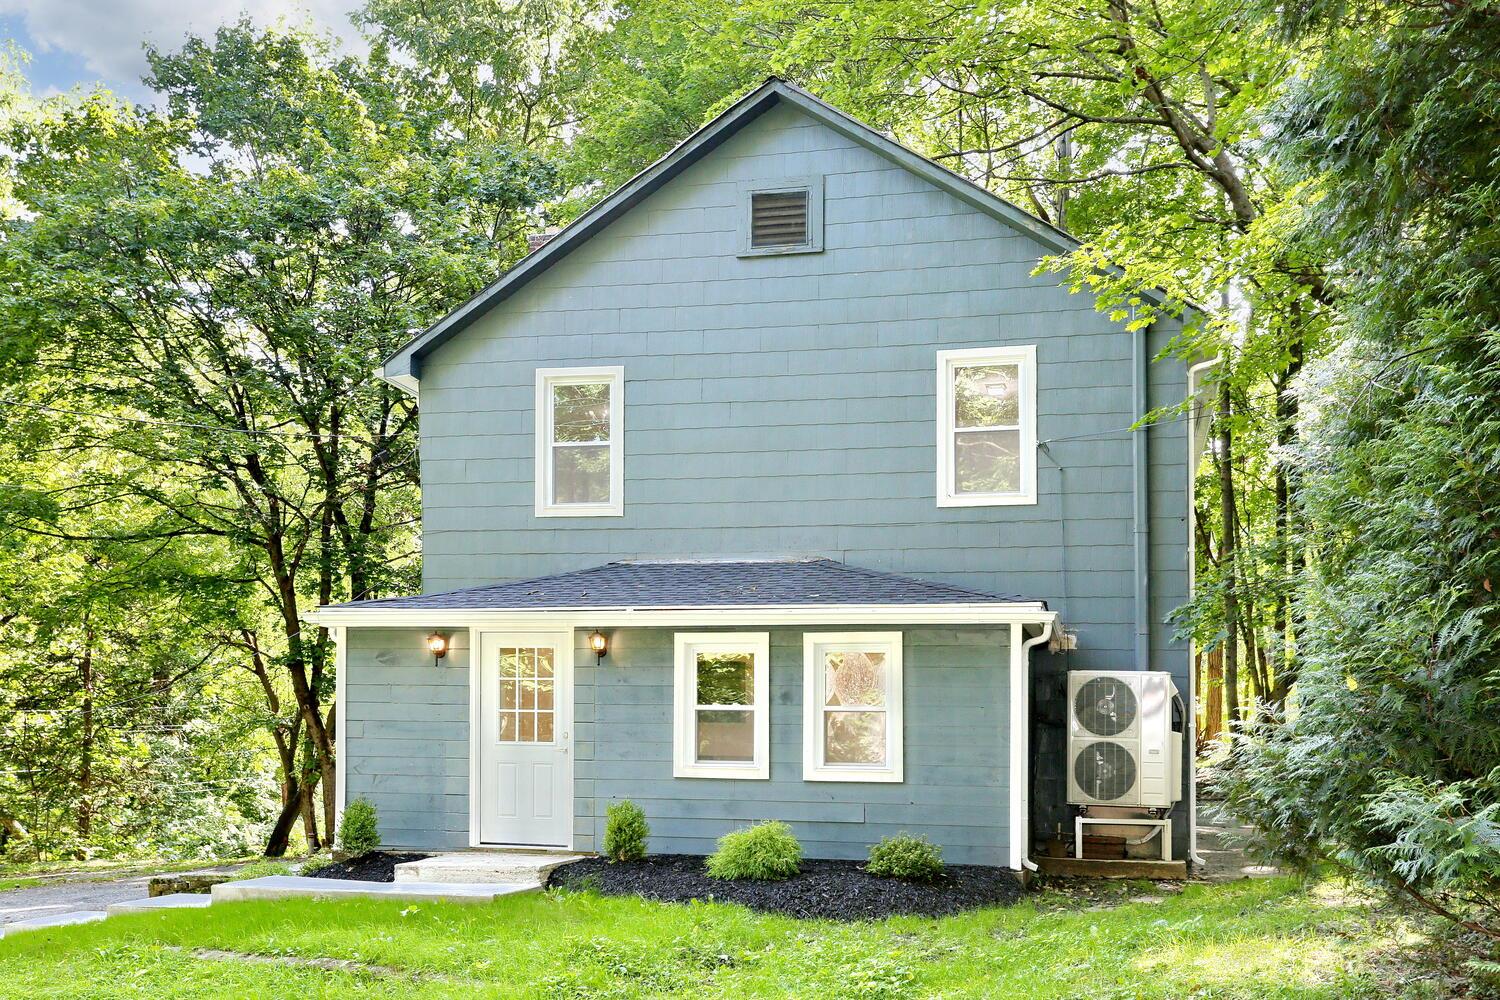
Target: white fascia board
[{"x": 1027, "y": 613}]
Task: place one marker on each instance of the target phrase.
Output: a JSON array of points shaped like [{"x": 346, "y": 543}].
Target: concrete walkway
[
  {"x": 80, "y": 893},
  {"x": 1221, "y": 845}
]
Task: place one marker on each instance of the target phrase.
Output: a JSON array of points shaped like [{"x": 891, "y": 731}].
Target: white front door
[{"x": 525, "y": 738}]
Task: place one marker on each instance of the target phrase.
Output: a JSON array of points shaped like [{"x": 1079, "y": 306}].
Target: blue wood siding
[
  {"x": 405, "y": 724},
  {"x": 956, "y": 700}
]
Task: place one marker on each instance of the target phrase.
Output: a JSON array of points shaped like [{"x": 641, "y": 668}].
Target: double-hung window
[
  {"x": 851, "y": 722},
  {"x": 579, "y": 435},
  {"x": 986, "y": 424},
  {"x": 721, "y": 705}
]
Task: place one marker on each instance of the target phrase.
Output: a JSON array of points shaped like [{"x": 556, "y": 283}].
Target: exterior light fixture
[
  {"x": 437, "y": 644},
  {"x": 599, "y": 644}
]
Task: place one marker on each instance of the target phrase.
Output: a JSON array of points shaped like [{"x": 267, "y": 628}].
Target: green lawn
[{"x": 1267, "y": 938}]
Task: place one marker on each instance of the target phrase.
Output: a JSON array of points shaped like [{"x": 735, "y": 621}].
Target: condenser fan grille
[
  {"x": 1104, "y": 771},
  {"x": 1105, "y": 706}
]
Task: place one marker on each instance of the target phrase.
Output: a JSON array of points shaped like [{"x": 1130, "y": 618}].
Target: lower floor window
[
  {"x": 721, "y": 706},
  {"x": 852, "y": 726}
]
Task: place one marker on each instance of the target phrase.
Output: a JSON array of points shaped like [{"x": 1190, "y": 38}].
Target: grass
[{"x": 1268, "y": 938}]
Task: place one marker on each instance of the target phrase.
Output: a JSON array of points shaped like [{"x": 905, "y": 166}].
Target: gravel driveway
[{"x": 81, "y": 893}]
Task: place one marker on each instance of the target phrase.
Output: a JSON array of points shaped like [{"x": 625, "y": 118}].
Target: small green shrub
[
  {"x": 315, "y": 863},
  {"x": 765, "y": 851},
  {"x": 262, "y": 869},
  {"x": 625, "y": 832},
  {"x": 358, "y": 832},
  {"x": 905, "y": 856}
]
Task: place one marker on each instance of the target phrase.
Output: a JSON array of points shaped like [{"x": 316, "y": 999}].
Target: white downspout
[
  {"x": 1020, "y": 742},
  {"x": 1192, "y": 699}
]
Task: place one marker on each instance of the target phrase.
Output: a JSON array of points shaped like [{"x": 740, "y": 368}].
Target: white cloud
[{"x": 108, "y": 34}]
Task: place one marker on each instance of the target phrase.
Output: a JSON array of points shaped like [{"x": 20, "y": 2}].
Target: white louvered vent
[{"x": 778, "y": 219}]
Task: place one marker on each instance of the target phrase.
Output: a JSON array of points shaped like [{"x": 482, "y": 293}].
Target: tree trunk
[
  {"x": 1212, "y": 703},
  {"x": 86, "y": 745},
  {"x": 281, "y": 832},
  {"x": 1227, "y": 557}
]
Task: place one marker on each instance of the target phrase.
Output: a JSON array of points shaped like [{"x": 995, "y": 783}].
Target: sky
[{"x": 85, "y": 42}]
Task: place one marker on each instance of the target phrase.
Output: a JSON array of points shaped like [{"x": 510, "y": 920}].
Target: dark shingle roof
[{"x": 695, "y": 584}]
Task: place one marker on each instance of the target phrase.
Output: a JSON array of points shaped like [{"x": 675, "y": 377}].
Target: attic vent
[{"x": 778, "y": 219}]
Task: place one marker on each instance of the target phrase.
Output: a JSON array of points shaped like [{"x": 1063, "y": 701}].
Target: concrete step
[
  {"x": 287, "y": 886},
  {"x": 486, "y": 866},
  {"x": 171, "y": 901},
  {"x": 53, "y": 920}
]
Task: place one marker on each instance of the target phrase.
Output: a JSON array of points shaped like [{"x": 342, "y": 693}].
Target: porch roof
[{"x": 692, "y": 584}]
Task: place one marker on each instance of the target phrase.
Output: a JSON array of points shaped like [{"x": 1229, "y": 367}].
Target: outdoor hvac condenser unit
[{"x": 1122, "y": 750}]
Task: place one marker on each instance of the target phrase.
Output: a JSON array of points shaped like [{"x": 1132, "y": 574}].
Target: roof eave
[{"x": 618, "y": 616}]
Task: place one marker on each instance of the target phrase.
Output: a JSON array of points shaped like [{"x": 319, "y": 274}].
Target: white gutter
[
  {"x": 1020, "y": 740},
  {"x": 998, "y": 613},
  {"x": 1192, "y": 698}
]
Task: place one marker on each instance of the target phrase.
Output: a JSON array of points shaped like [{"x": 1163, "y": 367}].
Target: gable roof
[
  {"x": 688, "y": 584},
  {"x": 403, "y": 368}
]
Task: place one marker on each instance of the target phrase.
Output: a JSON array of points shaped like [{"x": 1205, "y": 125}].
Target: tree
[
  {"x": 216, "y": 281},
  {"x": 1390, "y": 763}
]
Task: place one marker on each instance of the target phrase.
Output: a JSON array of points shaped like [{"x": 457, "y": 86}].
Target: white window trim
[
  {"x": 546, "y": 378},
  {"x": 947, "y": 361},
  {"x": 814, "y": 188},
  {"x": 686, "y": 646},
  {"x": 813, "y": 768}
]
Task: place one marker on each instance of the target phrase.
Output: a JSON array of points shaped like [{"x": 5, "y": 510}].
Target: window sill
[
  {"x": 834, "y": 774},
  {"x": 610, "y": 510},
  {"x": 737, "y": 772},
  {"x": 989, "y": 500}
]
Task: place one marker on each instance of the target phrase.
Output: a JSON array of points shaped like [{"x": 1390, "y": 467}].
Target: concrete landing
[
  {"x": 55, "y": 920},
  {"x": 287, "y": 886},
  {"x": 482, "y": 867},
  {"x": 171, "y": 901}
]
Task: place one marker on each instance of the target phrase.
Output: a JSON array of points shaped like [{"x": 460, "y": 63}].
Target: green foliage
[
  {"x": 766, "y": 851},
  {"x": 625, "y": 831},
  {"x": 1390, "y": 761},
  {"x": 358, "y": 830},
  {"x": 315, "y": 863},
  {"x": 905, "y": 856},
  {"x": 263, "y": 869}
]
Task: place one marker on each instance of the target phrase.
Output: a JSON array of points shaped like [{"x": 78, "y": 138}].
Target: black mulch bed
[
  {"x": 833, "y": 890},
  {"x": 372, "y": 867}
]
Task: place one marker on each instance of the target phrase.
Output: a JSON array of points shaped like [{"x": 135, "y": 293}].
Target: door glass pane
[
  {"x": 726, "y": 735},
  {"x": 987, "y": 396},
  {"x": 854, "y": 678},
  {"x": 726, "y": 678},
  {"x": 987, "y": 461},
  {"x": 580, "y": 473},
  {"x": 527, "y": 708},
  {"x": 854, "y": 738},
  {"x": 580, "y": 412}
]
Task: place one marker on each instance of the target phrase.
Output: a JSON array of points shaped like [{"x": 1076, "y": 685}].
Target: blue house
[{"x": 777, "y": 486}]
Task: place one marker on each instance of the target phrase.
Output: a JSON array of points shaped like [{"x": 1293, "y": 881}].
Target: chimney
[{"x": 536, "y": 241}]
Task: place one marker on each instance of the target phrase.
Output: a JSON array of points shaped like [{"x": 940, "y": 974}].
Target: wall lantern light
[
  {"x": 599, "y": 644},
  {"x": 437, "y": 644}
]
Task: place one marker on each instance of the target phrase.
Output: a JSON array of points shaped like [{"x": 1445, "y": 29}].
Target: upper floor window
[
  {"x": 721, "y": 700},
  {"x": 986, "y": 423},
  {"x": 783, "y": 216},
  {"x": 851, "y": 698},
  {"x": 579, "y": 435}
]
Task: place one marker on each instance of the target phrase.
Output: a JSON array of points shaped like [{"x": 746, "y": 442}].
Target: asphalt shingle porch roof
[{"x": 688, "y": 584}]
